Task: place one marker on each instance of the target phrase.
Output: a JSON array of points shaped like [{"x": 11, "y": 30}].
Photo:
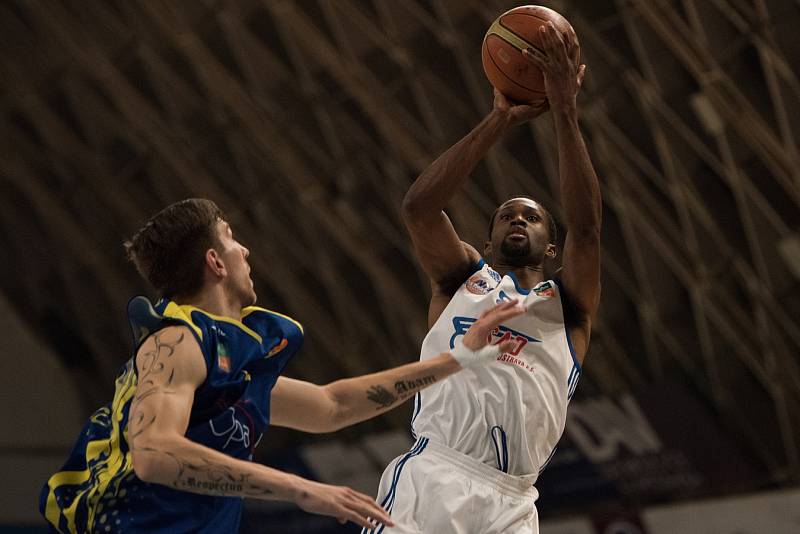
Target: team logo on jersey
[
  {"x": 223, "y": 360},
  {"x": 477, "y": 285},
  {"x": 500, "y": 334},
  {"x": 545, "y": 289}
]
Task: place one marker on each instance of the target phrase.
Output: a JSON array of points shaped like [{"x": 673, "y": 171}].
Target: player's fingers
[
  {"x": 534, "y": 56},
  {"x": 370, "y": 514},
  {"x": 368, "y": 507},
  {"x": 514, "y": 311},
  {"x": 503, "y": 305}
]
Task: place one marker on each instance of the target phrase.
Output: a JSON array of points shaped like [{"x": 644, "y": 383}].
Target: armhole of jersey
[
  {"x": 476, "y": 266},
  {"x": 561, "y": 295}
]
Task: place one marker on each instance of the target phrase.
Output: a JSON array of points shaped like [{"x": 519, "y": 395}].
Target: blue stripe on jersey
[
  {"x": 572, "y": 381},
  {"x": 521, "y": 290},
  {"x": 572, "y": 349},
  {"x": 501, "y": 450},
  {"x": 417, "y": 408}
]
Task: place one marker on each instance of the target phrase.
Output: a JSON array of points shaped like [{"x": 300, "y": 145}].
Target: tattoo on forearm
[
  {"x": 381, "y": 396},
  {"x": 408, "y": 387},
  {"x": 209, "y": 477},
  {"x": 403, "y": 389}
]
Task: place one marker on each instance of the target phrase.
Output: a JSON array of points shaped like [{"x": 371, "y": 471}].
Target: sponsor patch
[
  {"x": 545, "y": 289},
  {"x": 477, "y": 285}
]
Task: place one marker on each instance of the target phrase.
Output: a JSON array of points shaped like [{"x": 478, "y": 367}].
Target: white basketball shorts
[{"x": 433, "y": 489}]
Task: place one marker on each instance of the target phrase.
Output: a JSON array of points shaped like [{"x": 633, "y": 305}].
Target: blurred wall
[{"x": 40, "y": 418}]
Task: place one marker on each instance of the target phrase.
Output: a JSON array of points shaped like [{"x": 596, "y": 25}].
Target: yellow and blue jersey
[{"x": 97, "y": 490}]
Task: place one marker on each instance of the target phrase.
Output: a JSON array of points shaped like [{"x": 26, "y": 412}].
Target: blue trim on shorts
[{"x": 388, "y": 501}]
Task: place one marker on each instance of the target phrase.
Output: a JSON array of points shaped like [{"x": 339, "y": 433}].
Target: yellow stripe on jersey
[
  {"x": 103, "y": 471},
  {"x": 184, "y": 312},
  {"x": 117, "y": 461},
  {"x": 178, "y": 312}
]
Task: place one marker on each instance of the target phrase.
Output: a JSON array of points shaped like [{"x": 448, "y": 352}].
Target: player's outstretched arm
[
  {"x": 170, "y": 368},
  {"x": 580, "y": 189},
  {"x": 443, "y": 256},
  {"x": 312, "y": 408}
]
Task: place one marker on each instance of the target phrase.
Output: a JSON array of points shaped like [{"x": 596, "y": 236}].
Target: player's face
[
  {"x": 520, "y": 234},
  {"x": 234, "y": 255}
]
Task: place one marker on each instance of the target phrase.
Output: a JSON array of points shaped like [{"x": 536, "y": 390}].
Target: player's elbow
[
  {"x": 337, "y": 412},
  {"x": 147, "y": 457},
  {"x": 144, "y": 465},
  {"x": 412, "y": 209}
]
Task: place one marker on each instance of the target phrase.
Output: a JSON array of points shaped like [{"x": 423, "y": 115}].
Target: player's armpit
[{"x": 443, "y": 256}]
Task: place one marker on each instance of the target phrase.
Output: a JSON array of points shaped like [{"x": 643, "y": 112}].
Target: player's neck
[
  {"x": 215, "y": 301},
  {"x": 527, "y": 275}
]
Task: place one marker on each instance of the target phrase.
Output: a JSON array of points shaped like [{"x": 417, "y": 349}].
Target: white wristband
[{"x": 469, "y": 358}]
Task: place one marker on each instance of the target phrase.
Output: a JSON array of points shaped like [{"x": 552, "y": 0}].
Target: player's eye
[
  {"x": 533, "y": 218},
  {"x": 505, "y": 217}
]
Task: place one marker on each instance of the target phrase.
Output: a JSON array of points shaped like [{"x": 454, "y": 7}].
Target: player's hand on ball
[
  {"x": 518, "y": 113},
  {"x": 474, "y": 348},
  {"x": 558, "y": 60}
]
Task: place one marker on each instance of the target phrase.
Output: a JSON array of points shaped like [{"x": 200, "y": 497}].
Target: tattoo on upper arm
[
  {"x": 403, "y": 389},
  {"x": 156, "y": 375}
]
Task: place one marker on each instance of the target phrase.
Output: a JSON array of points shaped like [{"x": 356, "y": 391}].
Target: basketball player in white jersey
[{"x": 484, "y": 435}]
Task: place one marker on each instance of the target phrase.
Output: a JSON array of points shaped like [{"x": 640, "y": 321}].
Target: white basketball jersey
[{"x": 510, "y": 413}]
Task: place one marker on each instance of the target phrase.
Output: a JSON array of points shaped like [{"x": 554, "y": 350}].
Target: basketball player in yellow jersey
[
  {"x": 484, "y": 435},
  {"x": 172, "y": 453}
]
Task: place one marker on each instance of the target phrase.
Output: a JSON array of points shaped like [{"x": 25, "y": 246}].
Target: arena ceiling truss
[{"x": 307, "y": 120}]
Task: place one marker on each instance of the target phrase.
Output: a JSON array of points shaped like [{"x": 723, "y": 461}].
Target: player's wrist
[
  {"x": 470, "y": 358},
  {"x": 501, "y": 117}
]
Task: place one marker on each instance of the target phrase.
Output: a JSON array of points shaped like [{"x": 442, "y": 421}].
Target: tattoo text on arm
[{"x": 403, "y": 389}]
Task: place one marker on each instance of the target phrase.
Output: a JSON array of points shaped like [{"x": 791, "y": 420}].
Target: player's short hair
[
  {"x": 169, "y": 250},
  {"x": 551, "y": 222}
]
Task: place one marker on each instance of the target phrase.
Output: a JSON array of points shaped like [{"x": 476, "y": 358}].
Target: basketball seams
[
  {"x": 521, "y": 38},
  {"x": 507, "y": 77}
]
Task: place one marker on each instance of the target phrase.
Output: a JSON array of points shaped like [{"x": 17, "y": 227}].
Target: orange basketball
[{"x": 508, "y": 36}]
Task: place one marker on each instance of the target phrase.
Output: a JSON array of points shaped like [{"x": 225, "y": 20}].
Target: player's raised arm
[
  {"x": 170, "y": 367},
  {"x": 443, "y": 256},
  {"x": 312, "y": 408},
  {"x": 580, "y": 189}
]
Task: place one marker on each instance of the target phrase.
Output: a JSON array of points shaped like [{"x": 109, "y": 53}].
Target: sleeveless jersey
[
  {"x": 97, "y": 489},
  {"x": 510, "y": 413}
]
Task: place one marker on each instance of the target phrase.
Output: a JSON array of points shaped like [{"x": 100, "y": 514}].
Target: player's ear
[
  {"x": 214, "y": 262},
  {"x": 550, "y": 253}
]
